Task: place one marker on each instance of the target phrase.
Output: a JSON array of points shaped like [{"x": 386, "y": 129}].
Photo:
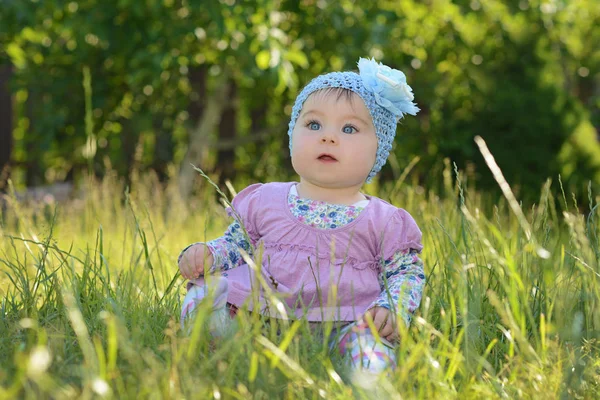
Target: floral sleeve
[
  {"x": 402, "y": 280},
  {"x": 225, "y": 249}
]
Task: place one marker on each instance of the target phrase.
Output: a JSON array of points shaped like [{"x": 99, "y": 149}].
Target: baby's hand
[
  {"x": 191, "y": 264},
  {"x": 385, "y": 322}
]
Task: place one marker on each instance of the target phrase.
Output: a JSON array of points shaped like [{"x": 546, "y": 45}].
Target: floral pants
[{"x": 354, "y": 340}]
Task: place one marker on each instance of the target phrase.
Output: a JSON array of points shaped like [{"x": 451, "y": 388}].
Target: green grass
[{"x": 90, "y": 300}]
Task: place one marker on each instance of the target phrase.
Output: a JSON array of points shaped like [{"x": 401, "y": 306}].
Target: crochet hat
[{"x": 384, "y": 92}]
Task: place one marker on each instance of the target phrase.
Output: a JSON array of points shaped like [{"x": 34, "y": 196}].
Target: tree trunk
[
  {"x": 6, "y": 115},
  {"x": 163, "y": 150},
  {"x": 228, "y": 131},
  {"x": 258, "y": 118},
  {"x": 129, "y": 141},
  {"x": 34, "y": 173},
  {"x": 200, "y": 136},
  {"x": 197, "y": 78}
]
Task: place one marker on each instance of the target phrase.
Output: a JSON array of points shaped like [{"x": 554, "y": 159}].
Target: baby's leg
[
  {"x": 198, "y": 290},
  {"x": 360, "y": 346}
]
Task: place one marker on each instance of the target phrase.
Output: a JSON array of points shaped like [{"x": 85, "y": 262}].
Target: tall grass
[{"x": 90, "y": 303}]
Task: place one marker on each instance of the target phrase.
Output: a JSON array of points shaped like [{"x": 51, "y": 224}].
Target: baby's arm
[
  {"x": 223, "y": 253},
  {"x": 405, "y": 280}
]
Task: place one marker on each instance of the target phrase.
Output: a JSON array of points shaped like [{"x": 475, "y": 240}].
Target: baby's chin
[{"x": 333, "y": 183}]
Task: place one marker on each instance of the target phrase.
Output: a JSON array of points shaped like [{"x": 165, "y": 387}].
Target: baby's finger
[
  {"x": 184, "y": 273},
  {"x": 371, "y": 313},
  {"x": 393, "y": 337},
  {"x": 197, "y": 255},
  {"x": 186, "y": 267},
  {"x": 182, "y": 269},
  {"x": 386, "y": 330},
  {"x": 380, "y": 320}
]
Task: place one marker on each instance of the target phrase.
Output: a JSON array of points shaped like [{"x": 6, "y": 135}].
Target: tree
[
  {"x": 211, "y": 83},
  {"x": 6, "y": 117}
]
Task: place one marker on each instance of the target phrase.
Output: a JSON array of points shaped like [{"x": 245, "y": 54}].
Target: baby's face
[{"x": 334, "y": 144}]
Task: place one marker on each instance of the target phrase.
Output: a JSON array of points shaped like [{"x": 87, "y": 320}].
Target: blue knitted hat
[{"x": 385, "y": 93}]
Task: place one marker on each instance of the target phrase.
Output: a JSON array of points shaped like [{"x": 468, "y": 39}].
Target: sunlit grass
[{"x": 90, "y": 303}]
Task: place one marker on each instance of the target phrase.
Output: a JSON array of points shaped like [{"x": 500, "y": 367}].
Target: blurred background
[{"x": 150, "y": 86}]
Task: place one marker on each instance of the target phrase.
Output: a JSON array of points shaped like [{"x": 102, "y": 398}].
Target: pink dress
[{"x": 320, "y": 274}]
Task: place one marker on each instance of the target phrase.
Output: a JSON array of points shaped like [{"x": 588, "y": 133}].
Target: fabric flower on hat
[{"x": 388, "y": 86}]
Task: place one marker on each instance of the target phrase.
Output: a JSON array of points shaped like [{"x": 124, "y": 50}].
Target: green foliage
[
  {"x": 503, "y": 73},
  {"x": 579, "y": 162},
  {"x": 523, "y": 75},
  {"x": 90, "y": 304}
]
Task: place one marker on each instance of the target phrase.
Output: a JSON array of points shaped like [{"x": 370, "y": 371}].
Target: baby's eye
[
  {"x": 314, "y": 125},
  {"x": 349, "y": 129}
]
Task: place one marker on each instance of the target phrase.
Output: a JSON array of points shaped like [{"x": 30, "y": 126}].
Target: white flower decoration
[{"x": 389, "y": 87}]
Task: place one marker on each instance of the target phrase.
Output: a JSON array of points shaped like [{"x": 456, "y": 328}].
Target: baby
[{"x": 334, "y": 253}]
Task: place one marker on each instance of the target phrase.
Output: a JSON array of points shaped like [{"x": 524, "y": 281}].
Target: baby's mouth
[{"x": 327, "y": 157}]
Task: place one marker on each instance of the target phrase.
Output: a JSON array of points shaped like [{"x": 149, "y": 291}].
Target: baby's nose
[{"x": 328, "y": 139}]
